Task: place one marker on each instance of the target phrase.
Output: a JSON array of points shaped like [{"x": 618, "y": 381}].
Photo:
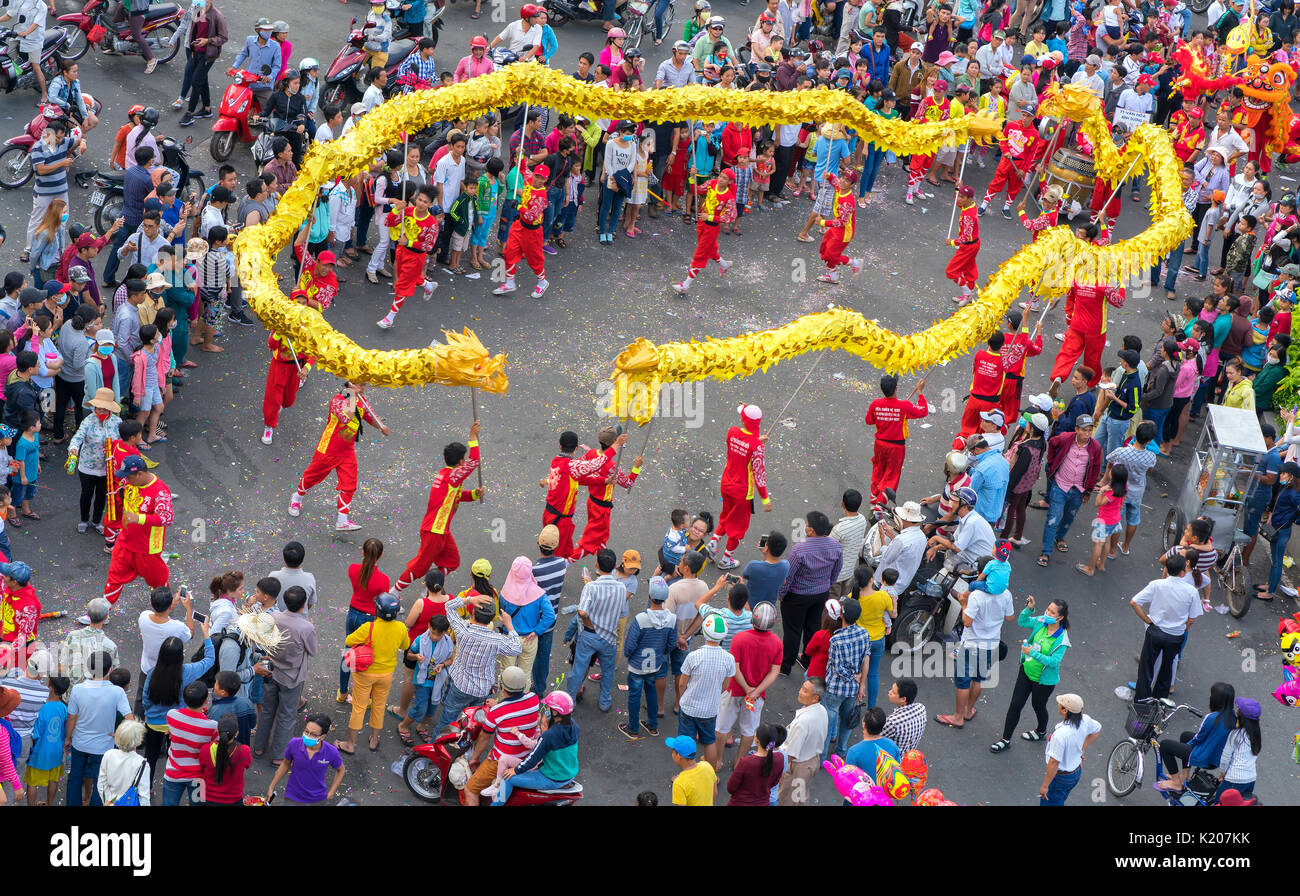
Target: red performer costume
[
  {"x": 414, "y": 232},
  {"x": 337, "y": 452},
  {"x": 117, "y": 451},
  {"x": 1018, "y": 348},
  {"x": 934, "y": 107},
  {"x": 600, "y": 506},
  {"x": 839, "y": 229},
  {"x": 285, "y": 374},
  {"x": 963, "y": 270},
  {"x": 437, "y": 545},
  {"x": 889, "y": 415},
  {"x": 525, "y": 239},
  {"x": 717, "y": 206},
  {"x": 1051, "y": 202},
  {"x": 1021, "y": 146},
  {"x": 146, "y": 514},
  {"x": 987, "y": 377},
  {"x": 1086, "y": 333},
  {"x": 567, "y": 473},
  {"x": 1188, "y": 132},
  {"x": 743, "y": 474},
  {"x": 318, "y": 283}
]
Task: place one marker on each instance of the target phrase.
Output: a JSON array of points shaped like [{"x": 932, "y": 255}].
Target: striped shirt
[
  {"x": 32, "y": 693},
  {"x": 708, "y": 669},
  {"x": 474, "y": 668},
  {"x": 56, "y": 182},
  {"x": 549, "y": 573},
  {"x": 605, "y": 603},
  {"x": 522, "y": 714},
  {"x": 190, "y": 731},
  {"x": 848, "y": 646},
  {"x": 814, "y": 565}
]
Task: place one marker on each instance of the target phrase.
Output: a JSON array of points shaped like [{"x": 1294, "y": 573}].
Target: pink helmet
[
  {"x": 615, "y": 32},
  {"x": 560, "y": 702}
]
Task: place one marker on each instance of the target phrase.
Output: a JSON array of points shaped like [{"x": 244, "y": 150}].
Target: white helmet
[
  {"x": 955, "y": 463},
  {"x": 308, "y": 63}
]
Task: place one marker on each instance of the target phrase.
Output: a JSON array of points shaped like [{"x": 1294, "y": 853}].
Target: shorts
[
  {"x": 1133, "y": 513},
  {"x": 809, "y": 164},
  {"x": 731, "y": 709},
  {"x": 974, "y": 665},
  {"x": 409, "y": 663},
  {"x": 663, "y": 671},
  {"x": 484, "y": 775},
  {"x": 946, "y": 155},
  {"x": 1113, "y": 32},
  {"x": 42, "y": 777},
  {"x": 1254, "y": 515},
  {"x": 459, "y": 241},
  {"x": 823, "y": 207},
  {"x": 1102, "y": 531},
  {"x": 703, "y": 730},
  {"x": 676, "y": 657},
  {"x": 152, "y": 398}
]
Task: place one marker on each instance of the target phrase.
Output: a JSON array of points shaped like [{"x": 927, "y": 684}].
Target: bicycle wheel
[
  {"x": 1175, "y": 523},
  {"x": 1238, "y": 584},
  {"x": 1124, "y": 768},
  {"x": 635, "y": 30}
]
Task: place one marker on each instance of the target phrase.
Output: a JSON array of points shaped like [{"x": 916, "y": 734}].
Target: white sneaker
[
  {"x": 680, "y": 288},
  {"x": 542, "y": 286},
  {"x": 723, "y": 266},
  {"x": 832, "y": 278},
  {"x": 267, "y": 435},
  {"x": 980, "y": 161},
  {"x": 925, "y": 194},
  {"x": 384, "y": 323},
  {"x": 855, "y": 265},
  {"x": 726, "y": 562},
  {"x": 473, "y": 275},
  {"x": 910, "y": 200},
  {"x": 960, "y": 300},
  {"x": 1287, "y": 590},
  {"x": 343, "y": 524},
  {"x": 295, "y": 508},
  {"x": 504, "y": 289},
  {"x": 429, "y": 287},
  {"x": 1060, "y": 337}
]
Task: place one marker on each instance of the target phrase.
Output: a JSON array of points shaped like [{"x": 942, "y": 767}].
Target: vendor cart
[{"x": 1219, "y": 484}]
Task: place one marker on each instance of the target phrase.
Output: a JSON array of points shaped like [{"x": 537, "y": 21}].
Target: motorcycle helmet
[
  {"x": 281, "y": 27},
  {"x": 393, "y": 6},
  {"x": 527, "y": 11},
  {"x": 262, "y": 24},
  {"x": 309, "y": 64},
  {"x": 702, "y": 5},
  {"x": 134, "y": 110},
  {"x": 290, "y": 74},
  {"x": 149, "y": 117},
  {"x": 955, "y": 463},
  {"x": 559, "y": 702},
  {"x": 387, "y": 606},
  {"x": 683, "y": 46},
  {"x": 478, "y": 40},
  {"x": 717, "y": 22}
]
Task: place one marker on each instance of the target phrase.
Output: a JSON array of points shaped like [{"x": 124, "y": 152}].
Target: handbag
[
  {"x": 362, "y": 656},
  {"x": 131, "y": 796}
]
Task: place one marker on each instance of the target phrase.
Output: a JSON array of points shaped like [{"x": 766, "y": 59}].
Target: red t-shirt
[
  {"x": 363, "y": 599},
  {"x": 756, "y": 653},
  {"x": 231, "y": 788},
  {"x": 119, "y": 158},
  {"x": 429, "y": 607},
  {"x": 819, "y": 650}
]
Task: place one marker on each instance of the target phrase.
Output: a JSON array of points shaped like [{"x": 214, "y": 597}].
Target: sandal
[
  {"x": 422, "y": 732},
  {"x": 1123, "y": 550},
  {"x": 474, "y": 15},
  {"x": 1043, "y": 560},
  {"x": 373, "y": 744},
  {"x": 15, "y": 523},
  {"x": 344, "y": 749},
  {"x": 1083, "y": 569},
  {"x": 1032, "y": 736},
  {"x": 1062, "y": 547},
  {"x": 31, "y": 515},
  {"x": 949, "y": 721},
  {"x": 971, "y": 717},
  {"x": 999, "y": 746},
  {"x": 394, "y": 710},
  {"x": 188, "y": 364},
  {"x": 406, "y": 738}
]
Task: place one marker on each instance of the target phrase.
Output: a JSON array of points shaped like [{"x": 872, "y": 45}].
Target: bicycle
[
  {"x": 1148, "y": 719},
  {"x": 1230, "y": 568},
  {"x": 639, "y": 19}
]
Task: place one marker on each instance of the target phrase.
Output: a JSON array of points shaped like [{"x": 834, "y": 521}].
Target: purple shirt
[
  {"x": 307, "y": 776},
  {"x": 814, "y": 565}
]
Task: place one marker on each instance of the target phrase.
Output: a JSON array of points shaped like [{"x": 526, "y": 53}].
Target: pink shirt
[
  {"x": 467, "y": 68},
  {"x": 1073, "y": 466},
  {"x": 1110, "y": 508},
  {"x": 1187, "y": 380}
]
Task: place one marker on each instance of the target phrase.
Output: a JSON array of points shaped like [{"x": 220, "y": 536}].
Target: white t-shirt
[
  {"x": 152, "y": 634},
  {"x": 211, "y": 217},
  {"x": 372, "y": 98},
  {"x": 516, "y": 37},
  {"x": 1066, "y": 742},
  {"x": 324, "y": 134},
  {"x": 448, "y": 175},
  {"x": 987, "y": 613},
  {"x": 26, "y": 12}
]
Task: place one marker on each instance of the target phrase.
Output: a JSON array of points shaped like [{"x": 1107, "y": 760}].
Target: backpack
[
  {"x": 15, "y": 742},
  {"x": 210, "y": 677},
  {"x": 131, "y": 796}
]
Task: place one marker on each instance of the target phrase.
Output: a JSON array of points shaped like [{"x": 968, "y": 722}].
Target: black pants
[
  {"x": 1157, "y": 645},
  {"x": 1173, "y": 750},
  {"x": 63, "y": 391},
  {"x": 781, "y": 160},
  {"x": 1027, "y": 690},
  {"x": 1228, "y": 240},
  {"x": 94, "y": 491},
  {"x": 801, "y": 617},
  {"x": 155, "y": 748},
  {"x": 196, "y": 76},
  {"x": 444, "y": 246}
]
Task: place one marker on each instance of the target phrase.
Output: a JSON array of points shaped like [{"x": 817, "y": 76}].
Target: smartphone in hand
[{"x": 200, "y": 618}]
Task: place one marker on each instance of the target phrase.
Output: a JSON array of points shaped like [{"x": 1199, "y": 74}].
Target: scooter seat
[
  {"x": 399, "y": 50},
  {"x": 571, "y": 787},
  {"x": 52, "y": 37},
  {"x": 161, "y": 11},
  {"x": 116, "y": 176}
]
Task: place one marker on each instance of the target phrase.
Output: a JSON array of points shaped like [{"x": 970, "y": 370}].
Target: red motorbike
[
  {"x": 427, "y": 769},
  {"x": 343, "y": 84},
  {"x": 94, "y": 26},
  {"x": 235, "y": 115},
  {"x": 15, "y": 158}
]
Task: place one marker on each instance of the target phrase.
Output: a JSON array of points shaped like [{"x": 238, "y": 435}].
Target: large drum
[{"x": 1074, "y": 172}]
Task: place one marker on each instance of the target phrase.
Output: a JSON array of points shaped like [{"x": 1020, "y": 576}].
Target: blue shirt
[
  {"x": 1270, "y": 462},
  {"x": 254, "y": 58},
  {"x": 157, "y": 715},
  {"x": 29, "y": 454},
  {"x": 863, "y": 754},
  {"x": 47, "y": 736},
  {"x": 764, "y": 580},
  {"x": 829, "y": 155},
  {"x": 136, "y": 184},
  {"x": 990, "y": 483},
  {"x": 242, "y": 709}
]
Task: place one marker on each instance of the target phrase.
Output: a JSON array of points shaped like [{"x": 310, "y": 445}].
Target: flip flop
[
  {"x": 1062, "y": 547},
  {"x": 405, "y": 738},
  {"x": 1043, "y": 560},
  {"x": 373, "y": 747},
  {"x": 1123, "y": 550},
  {"x": 947, "y": 720},
  {"x": 338, "y": 745},
  {"x": 1083, "y": 569},
  {"x": 394, "y": 710},
  {"x": 971, "y": 717}
]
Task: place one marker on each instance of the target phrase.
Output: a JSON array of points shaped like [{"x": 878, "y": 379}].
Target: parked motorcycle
[
  {"x": 20, "y": 75},
  {"x": 344, "y": 79},
  {"x": 108, "y": 197},
  {"x": 235, "y": 115},
  {"x": 94, "y": 26},
  {"x": 401, "y": 32},
  {"x": 929, "y": 610},
  {"x": 428, "y": 770},
  {"x": 15, "y": 158},
  {"x": 558, "y": 12}
]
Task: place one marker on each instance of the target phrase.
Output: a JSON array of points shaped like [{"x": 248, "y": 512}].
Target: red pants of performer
[
  {"x": 282, "y": 384},
  {"x": 435, "y": 550},
  {"x": 1012, "y": 388},
  {"x": 706, "y": 248},
  {"x": 916, "y": 169},
  {"x": 526, "y": 243},
  {"x": 970, "y": 418},
  {"x": 832, "y": 248},
  {"x": 886, "y": 467},
  {"x": 565, "y": 525},
  {"x": 1101, "y": 191},
  {"x": 733, "y": 522},
  {"x": 1006, "y": 176},
  {"x": 127, "y": 565},
  {"x": 408, "y": 275},
  {"x": 595, "y": 535},
  {"x": 114, "y": 526},
  {"x": 1076, "y": 343},
  {"x": 345, "y": 465},
  {"x": 963, "y": 269}
]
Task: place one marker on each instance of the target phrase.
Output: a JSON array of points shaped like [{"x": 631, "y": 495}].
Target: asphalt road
[{"x": 232, "y": 491}]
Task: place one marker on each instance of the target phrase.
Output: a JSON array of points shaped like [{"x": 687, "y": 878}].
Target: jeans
[
  {"x": 81, "y": 766},
  {"x": 873, "y": 670},
  {"x": 1061, "y": 508},
  {"x": 589, "y": 645},
  {"x": 422, "y": 705},
  {"x": 453, "y": 704},
  {"x": 661, "y": 7},
  {"x": 554, "y": 202},
  {"x": 354, "y": 621},
  {"x": 611, "y": 208},
  {"x": 1202, "y": 393},
  {"x": 531, "y": 780},
  {"x": 1276, "y": 551},
  {"x": 542, "y": 662},
  {"x": 1059, "y": 790},
  {"x": 839, "y": 714},
  {"x": 870, "y": 168},
  {"x": 608, "y": 11},
  {"x": 1202, "y": 259},
  {"x": 277, "y": 718},
  {"x": 110, "y": 268},
  {"x": 1110, "y": 435},
  {"x": 636, "y": 683},
  {"x": 173, "y": 791},
  {"x": 195, "y": 80},
  {"x": 1172, "y": 263},
  {"x": 1156, "y": 416},
  {"x": 509, "y": 211}
]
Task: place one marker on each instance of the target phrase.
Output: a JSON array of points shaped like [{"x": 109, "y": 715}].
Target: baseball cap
[
  {"x": 1040, "y": 422},
  {"x": 514, "y": 679},
  {"x": 55, "y": 288},
  {"x": 133, "y": 464},
  {"x": 1291, "y": 468},
  {"x": 632, "y": 560},
  {"x": 834, "y": 608},
  {"x": 1218, "y": 196},
  {"x": 1190, "y": 345},
  {"x": 21, "y": 573},
  {"x": 1093, "y": 59},
  {"x": 79, "y": 275},
  {"x": 1232, "y": 797},
  {"x": 221, "y": 194},
  {"x": 8, "y": 432},
  {"x": 967, "y": 495},
  {"x": 1291, "y": 270},
  {"x": 549, "y": 537},
  {"x": 85, "y": 241},
  {"x": 1071, "y": 702},
  {"x": 541, "y": 171},
  {"x": 994, "y": 416},
  {"x": 1083, "y": 421},
  {"x": 852, "y": 611},
  {"x": 358, "y": 108},
  {"x": 999, "y": 33},
  {"x": 105, "y": 337},
  {"x": 715, "y": 627},
  {"x": 326, "y": 257},
  {"x": 481, "y": 567},
  {"x": 1248, "y": 708},
  {"x": 658, "y": 589},
  {"x": 1042, "y": 401},
  {"x": 264, "y": 24},
  {"x": 682, "y": 745}
]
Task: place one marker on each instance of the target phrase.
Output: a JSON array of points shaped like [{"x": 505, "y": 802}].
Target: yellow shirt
[
  {"x": 1242, "y": 395},
  {"x": 1035, "y": 49},
  {"x": 390, "y": 636},
  {"x": 874, "y": 607},
  {"x": 695, "y": 786}
]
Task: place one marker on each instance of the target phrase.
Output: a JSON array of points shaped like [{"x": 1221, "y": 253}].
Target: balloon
[
  {"x": 844, "y": 776},
  {"x": 869, "y": 795},
  {"x": 932, "y": 797},
  {"x": 1290, "y": 643},
  {"x": 1288, "y": 693},
  {"x": 914, "y": 766},
  {"x": 891, "y": 777}
]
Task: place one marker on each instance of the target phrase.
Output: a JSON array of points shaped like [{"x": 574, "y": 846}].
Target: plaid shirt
[
  {"x": 708, "y": 669},
  {"x": 424, "y": 69},
  {"x": 905, "y": 725},
  {"x": 474, "y": 668},
  {"x": 847, "y": 648},
  {"x": 605, "y": 603}
]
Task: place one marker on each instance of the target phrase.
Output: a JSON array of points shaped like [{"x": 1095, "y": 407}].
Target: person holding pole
[
  {"x": 287, "y": 372},
  {"x": 743, "y": 474},
  {"x": 600, "y": 497},
  {"x": 525, "y": 240},
  {"x": 337, "y": 452},
  {"x": 1020, "y": 145},
  {"x": 962, "y": 269},
  {"x": 889, "y": 415},
  {"x": 839, "y": 227},
  {"x": 414, "y": 231}
]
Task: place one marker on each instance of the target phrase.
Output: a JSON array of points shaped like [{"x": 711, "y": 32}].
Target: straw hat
[
  {"x": 195, "y": 248},
  {"x": 104, "y": 399},
  {"x": 259, "y": 629}
]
